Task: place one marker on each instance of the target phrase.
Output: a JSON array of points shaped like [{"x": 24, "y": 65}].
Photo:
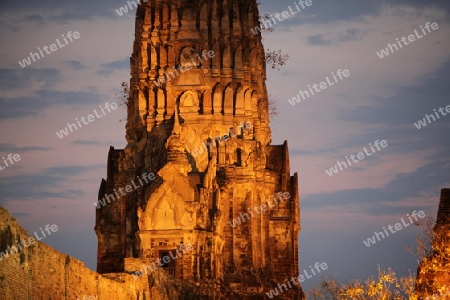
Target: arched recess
[
  {"x": 246, "y": 55},
  {"x": 228, "y": 101},
  {"x": 217, "y": 56},
  {"x": 240, "y": 102},
  {"x": 166, "y": 210},
  {"x": 217, "y": 99},
  {"x": 153, "y": 57},
  {"x": 161, "y": 104},
  {"x": 238, "y": 58},
  {"x": 226, "y": 57},
  {"x": 207, "y": 102},
  {"x": 254, "y": 102},
  {"x": 151, "y": 103},
  {"x": 163, "y": 56},
  {"x": 189, "y": 102},
  {"x": 248, "y": 102}
]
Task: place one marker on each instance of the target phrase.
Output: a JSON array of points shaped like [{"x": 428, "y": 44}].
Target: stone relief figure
[
  {"x": 231, "y": 151},
  {"x": 210, "y": 176},
  {"x": 134, "y": 148},
  {"x": 187, "y": 216},
  {"x": 195, "y": 146},
  {"x": 282, "y": 239},
  {"x": 189, "y": 57},
  {"x": 202, "y": 216},
  {"x": 249, "y": 161}
]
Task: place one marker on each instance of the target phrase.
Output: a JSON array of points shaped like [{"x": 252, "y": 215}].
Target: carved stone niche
[
  {"x": 189, "y": 103},
  {"x": 189, "y": 72},
  {"x": 166, "y": 211},
  {"x": 188, "y": 30}
]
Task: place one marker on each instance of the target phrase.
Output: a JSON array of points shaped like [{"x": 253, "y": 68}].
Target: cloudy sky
[{"x": 57, "y": 180}]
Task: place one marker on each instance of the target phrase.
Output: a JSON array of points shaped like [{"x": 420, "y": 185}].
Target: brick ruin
[
  {"x": 434, "y": 271},
  {"x": 41, "y": 272},
  {"x": 198, "y": 123}
]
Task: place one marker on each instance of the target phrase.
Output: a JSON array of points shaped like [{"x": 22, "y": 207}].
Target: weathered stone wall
[{"x": 41, "y": 272}]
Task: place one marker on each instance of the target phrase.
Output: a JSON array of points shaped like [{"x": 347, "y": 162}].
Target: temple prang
[{"x": 197, "y": 73}]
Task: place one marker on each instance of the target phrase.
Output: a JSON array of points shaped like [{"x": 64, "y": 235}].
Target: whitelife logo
[
  {"x": 319, "y": 87},
  {"x": 423, "y": 123},
  {"x": 244, "y": 217},
  {"x": 23, "y": 243},
  {"x": 280, "y": 17},
  {"x": 90, "y": 118},
  {"x": 124, "y": 9},
  {"x": 71, "y": 36},
  {"x": 360, "y": 156},
  {"x": 411, "y": 38},
  {"x": 164, "y": 261},
  {"x": 281, "y": 288},
  {"x": 11, "y": 158},
  {"x": 397, "y": 226},
  {"x": 128, "y": 189}
]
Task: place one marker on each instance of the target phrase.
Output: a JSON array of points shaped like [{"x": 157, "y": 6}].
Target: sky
[{"x": 56, "y": 179}]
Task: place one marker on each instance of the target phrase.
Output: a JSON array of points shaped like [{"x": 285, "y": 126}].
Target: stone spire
[{"x": 198, "y": 120}]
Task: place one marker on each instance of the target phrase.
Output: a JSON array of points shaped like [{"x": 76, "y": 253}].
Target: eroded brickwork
[{"x": 41, "y": 272}]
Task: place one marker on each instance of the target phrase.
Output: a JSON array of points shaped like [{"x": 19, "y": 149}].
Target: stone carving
[
  {"x": 133, "y": 150},
  {"x": 209, "y": 181},
  {"x": 189, "y": 58},
  {"x": 282, "y": 237}
]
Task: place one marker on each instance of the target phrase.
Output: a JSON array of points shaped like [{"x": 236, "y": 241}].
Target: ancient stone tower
[
  {"x": 433, "y": 274},
  {"x": 198, "y": 132}
]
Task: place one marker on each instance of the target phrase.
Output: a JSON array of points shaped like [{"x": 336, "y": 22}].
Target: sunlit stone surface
[{"x": 198, "y": 119}]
